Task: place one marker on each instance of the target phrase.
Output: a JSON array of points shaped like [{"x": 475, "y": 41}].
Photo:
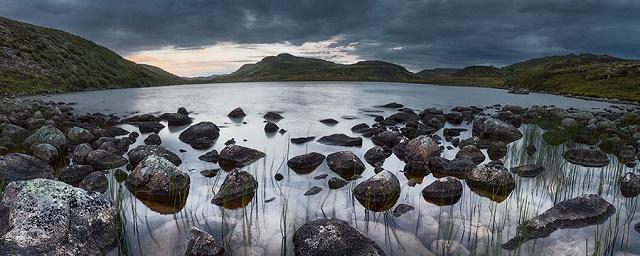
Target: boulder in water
[
  {"x": 378, "y": 193},
  {"x": 341, "y": 140},
  {"x": 345, "y": 164},
  {"x": 332, "y": 237},
  {"x": 237, "y": 187},
  {"x": 420, "y": 149},
  {"x": 16, "y": 167},
  {"x": 237, "y": 113},
  {"x": 235, "y": 156},
  {"x": 104, "y": 160},
  {"x": 443, "y": 192},
  {"x": 139, "y": 153},
  {"x": 630, "y": 185},
  {"x": 494, "y": 129},
  {"x": 306, "y": 163},
  {"x": 586, "y": 157},
  {"x": 202, "y": 243}
]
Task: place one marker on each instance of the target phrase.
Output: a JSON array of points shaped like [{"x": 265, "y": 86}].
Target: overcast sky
[{"x": 198, "y": 37}]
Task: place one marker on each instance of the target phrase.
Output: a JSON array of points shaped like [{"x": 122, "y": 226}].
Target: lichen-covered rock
[
  {"x": 346, "y": 164},
  {"x": 420, "y": 149},
  {"x": 378, "y": 193},
  {"x": 157, "y": 177},
  {"x": 582, "y": 211},
  {"x": 586, "y": 157},
  {"x": 494, "y": 129},
  {"x": 236, "y": 186},
  {"x": 472, "y": 153},
  {"x": 443, "y": 192},
  {"x": 491, "y": 177},
  {"x": 202, "y": 243},
  {"x": 13, "y": 132},
  {"x": 306, "y": 163},
  {"x": 80, "y": 153},
  {"x": 235, "y": 156},
  {"x": 139, "y": 153},
  {"x": 341, "y": 140},
  {"x": 77, "y": 135},
  {"x": 46, "y": 217},
  {"x": 46, "y": 134},
  {"x": 46, "y": 152},
  {"x": 630, "y": 185},
  {"x": 332, "y": 237},
  {"x": 15, "y": 167},
  {"x": 104, "y": 160}
]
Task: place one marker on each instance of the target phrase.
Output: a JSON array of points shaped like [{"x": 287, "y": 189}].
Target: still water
[{"x": 261, "y": 228}]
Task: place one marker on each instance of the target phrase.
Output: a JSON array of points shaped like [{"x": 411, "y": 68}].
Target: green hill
[
  {"x": 286, "y": 67},
  {"x": 35, "y": 59}
]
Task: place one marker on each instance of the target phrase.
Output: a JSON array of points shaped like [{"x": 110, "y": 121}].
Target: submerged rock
[
  {"x": 448, "y": 247},
  {"x": 586, "y": 157},
  {"x": 306, "y": 163},
  {"x": 202, "y": 243},
  {"x": 494, "y": 129},
  {"x": 41, "y": 216},
  {"x": 529, "y": 171},
  {"x": 491, "y": 179},
  {"x": 378, "y": 193},
  {"x": 443, "y": 192},
  {"x": 582, "y": 211},
  {"x": 237, "y": 186},
  {"x": 420, "y": 149},
  {"x": 235, "y": 156},
  {"x": 104, "y": 160},
  {"x": 324, "y": 237},
  {"x": 176, "y": 119},
  {"x": 74, "y": 174},
  {"x": 209, "y": 173},
  {"x": 345, "y": 164},
  {"x": 16, "y": 167},
  {"x": 341, "y": 140},
  {"x": 148, "y": 127},
  {"x": 329, "y": 121},
  {"x": 531, "y": 149},
  {"x": 630, "y": 185},
  {"x": 139, "y": 153},
  {"x": 391, "y": 105}
]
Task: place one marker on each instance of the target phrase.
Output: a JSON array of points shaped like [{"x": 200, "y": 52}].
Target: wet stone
[
  {"x": 341, "y": 140},
  {"x": 529, "y": 171},
  {"x": 313, "y": 190},
  {"x": 324, "y": 237},
  {"x": 586, "y": 157},
  {"x": 302, "y": 140},
  {"x": 336, "y": 183},
  {"x": 443, "y": 192},
  {"x": 401, "y": 209}
]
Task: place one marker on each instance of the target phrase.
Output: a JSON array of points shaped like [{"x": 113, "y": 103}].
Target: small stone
[
  {"x": 401, "y": 209},
  {"x": 336, "y": 183},
  {"x": 312, "y": 191},
  {"x": 209, "y": 173}
]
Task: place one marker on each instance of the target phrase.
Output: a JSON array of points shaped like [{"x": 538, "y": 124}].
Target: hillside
[
  {"x": 286, "y": 67},
  {"x": 41, "y": 60}
]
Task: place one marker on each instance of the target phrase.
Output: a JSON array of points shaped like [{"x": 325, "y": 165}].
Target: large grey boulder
[
  {"x": 332, "y": 237},
  {"x": 105, "y": 160},
  {"x": 346, "y": 164},
  {"x": 77, "y": 135},
  {"x": 46, "y": 134},
  {"x": 46, "y": 217},
  {"x": 15, "y": 167},
  {"x": 494, "y": 129},
  {"x": 235, "y": 156},
  {"x": 238, "y": 185},
  {"x": 306, "y": 163},
  {"x": 200, "y": 131},
  {"x": 582, "y": 211},
  {"x": 492, "y": 177},
  {"x": 139, "y": 153},
  {"x": 156, "y": 178},
  {"x": 378, "y": 193},
  {"x": 202, "y": 243},
  {"x": 420, "y": 149},
  {"x": 586, "y": 157}
]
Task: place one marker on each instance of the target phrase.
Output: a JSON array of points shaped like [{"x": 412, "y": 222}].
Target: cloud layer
[{"x": 416, "y": 33}]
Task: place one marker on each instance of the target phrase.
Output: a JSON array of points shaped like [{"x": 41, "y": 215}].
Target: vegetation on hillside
[{"x": 41, "y": 60}]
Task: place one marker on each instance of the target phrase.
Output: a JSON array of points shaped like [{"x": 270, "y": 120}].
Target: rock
[
  {"x": 401, "y": 209},
  {"x": 273, "y": 116},
  {"x": 341, "y": 140},
  {"x": 74, "y": 174},
  {"x": 345, "y": 164},
  {"x": 336, "y": 183},
  {"x": 139, "y": 153},
  {"x": 210, "y": 157},
  {"x": 120, "y": 175},
  {"x": 236, "y": 186},
  {"x": 472, "y": 153},
  {"x": 387, "y": 138},
  {"x": 231, "y": 141},
  {"x": 454, "y": 117},
  {"x": 13, "y": 132},
  {"x": 630, "y": 185},
  {"x": 493, "y": 177},
  {"x": 302, "y": 140},
  {"x": 378, "y": 193},
  {"x": 497, "y": 150},
  {"x": 80, "y": 153},
  {"x": 95, "y": 182},
  {"x": 237, "y": 113},
  {"x": 306, "y": 163},
  {"x": 582, "y": 211},
  {"x": 77, "y": 135},
  {"x": 235, "y": 156},
  {"x": 198, "y": 131},
  {"x": 115, "y": 131},
  {"x": 202, "y": 143},
  {"x": 153, "y": 139},
  {"x": 586, "y": 157},
  {"x": 149, "y": 127},
  {"x": 403, "y": 117},
  {"x": 157, "y": 179},
  {"x": 323, "y": 237},
  {"x": 313, "y": 190},
  {"x": 416, "y": 169},
  {"x": 448, "y": 247},
  {"x": 376, "y": 155},
  {"x": 46, "y": 134},
  {"x": 202, "y": 243},
  {"x": 176, "y": 119},
  {"x": 329, "y": 121},
  {"x": 209, "y": 173},
  {"x": 46, "y": 152},
  {"x": 529, "y": 171},
  {"x": 494, "y": 129},
  {"x": 359, "y": 127},
  {"x": 133, "y": 136},
  {"x": 41, "y": 216},
  {"x": 271, "y": 127},
  {"x": 531, "y": 149},
  {"x": 443, "y": 192},
  {"x": 627, "y": 156},
  {"x": 420, "y": 149},
  {"x": 278, "y": 176},
  {"x": 391, "y": 105},
  {"x": 458, "y": 167},
  {"x": 104, "y": 160},
  {"x": 17, "y": 167},
  {"x": 182, "y": 110}
]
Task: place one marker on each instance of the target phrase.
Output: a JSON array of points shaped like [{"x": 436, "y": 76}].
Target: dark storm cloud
[{"x": 415, "y": 33}]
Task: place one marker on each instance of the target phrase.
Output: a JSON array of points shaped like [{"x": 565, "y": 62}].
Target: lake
[{"x": 480, "y": 224}]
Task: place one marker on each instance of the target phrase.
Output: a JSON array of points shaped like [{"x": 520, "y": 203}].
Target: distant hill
[
  {"x": 35, "y": 59},
  {"x": 286, "y": 67}
]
